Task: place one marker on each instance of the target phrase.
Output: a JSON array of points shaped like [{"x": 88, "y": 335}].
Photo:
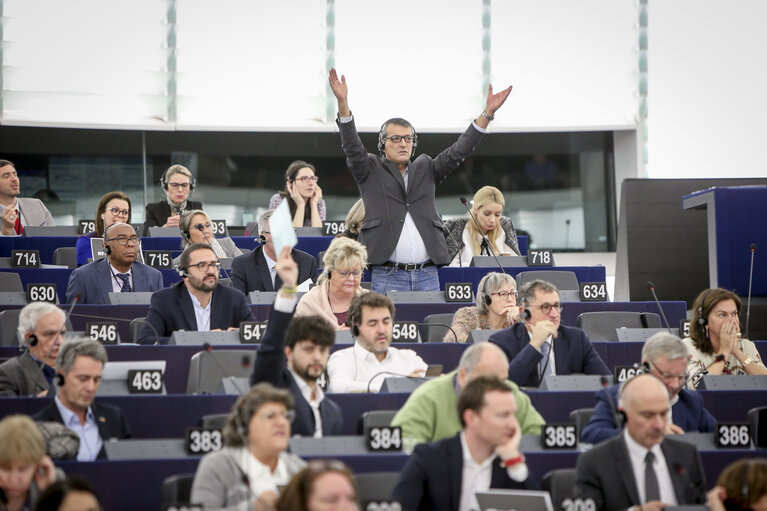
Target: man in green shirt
[{"x": 431, "y": 411}]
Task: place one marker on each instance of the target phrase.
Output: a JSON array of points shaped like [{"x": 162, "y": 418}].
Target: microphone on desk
[
  {"x": 750, "y": 279},
  {"x": 479, "y": 229},
  {"x": 651, "y": 287},
  {"x": 200, "y": 228},
  {"x": 55, "y": 341},
  {"x": 449, "y": 327},
  {"x": 207, "y": 348},
  {"x": 695, "y": 379},
  {"x": 416, "y": 378},
  {"x": 114, "y": 318}
]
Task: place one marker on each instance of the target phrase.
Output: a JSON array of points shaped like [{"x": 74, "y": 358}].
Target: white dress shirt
[
  {"x": 201, "y": 314},
  {"x": 352, "y": 369},
  {"x": 637, "y": 455},
  {"x": 90, "y": 438}
]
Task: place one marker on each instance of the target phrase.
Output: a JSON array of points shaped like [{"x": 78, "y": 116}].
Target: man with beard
[
  {"x": 196, "y": 303},
  {"x": 17, "y": 212},
  {"x": 298, "y": 364}
]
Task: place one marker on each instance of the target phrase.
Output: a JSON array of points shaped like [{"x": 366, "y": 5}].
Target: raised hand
[
  {"x": 495, "y": 101},
  {"x": 287, "y": 268},
  {"x": 339, "y": 88}
]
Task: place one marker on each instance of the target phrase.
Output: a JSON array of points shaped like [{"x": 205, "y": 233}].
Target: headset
[
  {"x": 164, "y": 178},
  {"x": 382, "y": 135},
  {"x": 262, "y": 239},
  {"x": 32, "y": 340},
  {"x": 59, "y": 379},
  {"x": 182, "y": 272},
  {"x": 745, "y": 490},
  {"x": 240, "y": 425},
  {"x": 703, "y": 322}
]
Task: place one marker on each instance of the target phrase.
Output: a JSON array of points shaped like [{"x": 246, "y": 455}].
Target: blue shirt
[{"x": 90, "y": 439}]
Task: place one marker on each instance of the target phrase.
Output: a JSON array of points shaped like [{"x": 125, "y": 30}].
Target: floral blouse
[
  {"x": 465, "y": 320},
  {"x": 699, "y": 360}
]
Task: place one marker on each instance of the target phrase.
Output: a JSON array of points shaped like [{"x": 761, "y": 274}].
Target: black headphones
[
  {"x": 382, "y": 136},
  {"x": 745, "y": 490},
  {"x": 355, "y": 331},
  {"x": 32, "y": 340},
  {"x": 262, "y": 239},
  {"x": 186, "y": 235},
  {"x": 107, "y": 249},
  {"x": 182, "y": 272},
  {"x": 526, "y": 314},
  {"x": 703, "y": 322},
  {"x": 59, "y": 379},
  {"x": 164, "y": 181},
  {"x": 240, "y": 425},
  {"x": 488, "y": 299}
]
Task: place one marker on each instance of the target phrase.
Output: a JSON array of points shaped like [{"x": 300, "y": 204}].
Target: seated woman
[
  {"x": 714, "y": 331},
  {"x": 464, "y": 240},
  {"x": 254, "y": 461},
  {"x": 496, "y": 308},
  {"x": 742, "y": 485},
  {"x": 321, "y": 486},
  {"x": 354, "y": 219},
  {"x": 304, "y": 195},
  {"x": 196, "y": 227},
  {"x": 113, "y": 207},
  {"x": 343, "y": 264},
  {"x": 177, "y": 183},
  {"x": 73, "y": 494},
  {"x": 25, "y": 470}
]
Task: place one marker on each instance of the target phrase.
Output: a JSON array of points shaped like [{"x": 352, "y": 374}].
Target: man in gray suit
[
  {"x": 17, "y": 213},
  {"x": 42, "y": 325},
  {"x": 118, "y": 272},
  {"x": 402, "y": 231}
]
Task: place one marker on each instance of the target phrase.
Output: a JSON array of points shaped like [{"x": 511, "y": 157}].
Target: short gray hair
[
  {"x": 263, "y": 221},
  {"x": 32, "y": 313},
  {"x": 70, "y": 350},
  {"x": 472, "y": 355},
  {"x": 527, "y": 292},
  {"x": 663, "y": 344},
  {"x": 489, "y": 284}
]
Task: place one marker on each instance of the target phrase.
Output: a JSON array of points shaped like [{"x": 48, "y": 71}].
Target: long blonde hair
[{"x": 484, "y": 196}]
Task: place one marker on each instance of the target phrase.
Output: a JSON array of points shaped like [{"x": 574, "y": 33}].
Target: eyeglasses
[
  {"x": 399, "y": 138},
  {"x": 506, "y": 294},
  {"x": 288, "y": 415},
  {"x": 122, "y": 241},
  {"x": 119, "y": 212},
  {"x": 206, "y": 265},
  {"x": 306, "y": 179},
  {"x": 547, "y": 307},
  {"x": 345, "y": 273},
  {"x": 176, "y": 186},
  {"x": 200, "y": 227},
  {"x": 671, "y": 376}
]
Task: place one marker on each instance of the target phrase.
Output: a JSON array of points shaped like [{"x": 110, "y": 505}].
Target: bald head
[
  {"x": 482, "y": 359},
  {"x": 645, "y": 401}
]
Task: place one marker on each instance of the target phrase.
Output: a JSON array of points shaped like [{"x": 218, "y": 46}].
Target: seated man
[
  {"x": 254, "y": 271},
  {"x": 664, "y": 355},
  {"x": 301, "y": 361},
  {"x": 118, "y": 272},
  {"x": 640, "y": 468},
  {"x": 444, "y": 475},
  {"x": 530, "y": 346},
  {"x": 429, "y": 414},
  {"x": 364, "y": 366},
  {"x": 43, "y": 326},
  {"x": 196, "y": 303},
  {"x": 16, "y": 213},
  {"x": 79, "y": 369}
]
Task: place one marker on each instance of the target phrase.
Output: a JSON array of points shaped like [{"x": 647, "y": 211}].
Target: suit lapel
[
  {"x": 393, "y": 169},
  {"x": 31, "y": 367},
  {"x": 105, "y": 279},
  {"x": 219, "y": 315},
  {"x": 139, "y": 279},
  {"x": 187, "y": 309},
  {"x": 676, "y": 472},
  {"x": 455, "y": 466},
  {"x": 262, "y": 270},
  {"x": 625, "y": 472}
]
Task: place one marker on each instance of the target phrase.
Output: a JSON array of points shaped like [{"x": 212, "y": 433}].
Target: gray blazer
[
  {"x": 454, "y": 234},
  {"x": 93, "y": 282},
  {"x": 21, "y": 376},
  {"x": 34, "y": 213},
  {"x": 386, "y": 200},
  {"x": 220, "y": 483}
]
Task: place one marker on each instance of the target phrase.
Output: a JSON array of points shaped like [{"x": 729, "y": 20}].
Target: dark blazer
[
  {"x": 433, "y": 475},
  {"x": 251, "y": 273},
  {"x": 93, "y": 282},
  {"x": 382, "y": 189},
  {"x": 573, "y": 354},
  {"x": 21, "y": 376},
  {"x": 604, "y": 474},
  {"x": 110, "y": 419},
  {"x": 157, "y": 213},
  {"x": 271, "y": 366},
  {"x": 688, "y": 413},
  {"x": 171, "y": 309}
]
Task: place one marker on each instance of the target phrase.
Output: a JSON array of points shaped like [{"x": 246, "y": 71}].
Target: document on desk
[{"x": 281, "y": 228}]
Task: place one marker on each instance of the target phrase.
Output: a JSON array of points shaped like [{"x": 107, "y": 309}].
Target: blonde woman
[{"x": 465, "y": 241}]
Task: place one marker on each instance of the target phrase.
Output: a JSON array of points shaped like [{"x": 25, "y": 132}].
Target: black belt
[{"x": 408, "y": 266}]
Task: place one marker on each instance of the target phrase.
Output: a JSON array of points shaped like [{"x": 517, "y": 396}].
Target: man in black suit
[
  {"x": 438, "y": 477},
  {"x": 255, "y": 271},
  {"x": 197, "y": 302},
  {"x": 641, "y": 469},
  {"x": 531, "y": 347},
  {"x": 79, "y": 365},
  {"x": 301, "y": 361}
]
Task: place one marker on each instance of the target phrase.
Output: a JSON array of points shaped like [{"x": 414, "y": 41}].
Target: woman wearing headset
[
  {"x": 715, "y": 331},
  {"x": 742, "y": 485},
  {"x": 324, "y": 485},
  {"x": 196, "y": 227},
  {"x": 113, "y": 207},
  {"x": 464, "y": 241},
  {"x": 304, "y": 195},
  {"x": 254, "y": 462},
  {"x": 177, "y": 183},
  {"x": 496, "y": 308}
]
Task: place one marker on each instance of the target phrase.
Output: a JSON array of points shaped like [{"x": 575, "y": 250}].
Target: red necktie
[{"x": 18, "y": 227}]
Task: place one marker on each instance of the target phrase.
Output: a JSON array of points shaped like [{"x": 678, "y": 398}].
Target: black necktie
[{"x": 651, "y": 489}]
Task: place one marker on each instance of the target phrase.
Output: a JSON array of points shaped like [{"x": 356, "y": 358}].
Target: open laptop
[{"x": 518, "y": 500}]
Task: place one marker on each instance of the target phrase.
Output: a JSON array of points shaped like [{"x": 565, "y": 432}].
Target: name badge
[
  {"x": 458, "y": 292},
  {"x": 198, "y": 441},
  {"x": 383, "y": 438},
  {"x": 559, "y": 436},
  {"x": 404, "y": 331},
  {"x": 732, "y": 435},
  {"x": 252, "y": 331},
  {"x": 41, "y": 293},
  {"x": 144, "y": 381},
  {"x": 104, "y": 332},
  {"x": 25, "y": 258},
  {"x": 540, "y": 257}
]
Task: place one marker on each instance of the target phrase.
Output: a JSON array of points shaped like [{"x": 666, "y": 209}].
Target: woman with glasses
[
  {"x": 496, "y": 308},
  {"x": 196, "y": 227},
  {"x": 113, "y": 207},
  {"x": 715, "y": 343},
  {"x": 465, "y": 241},
  {"x": 343, "y": 264},
  {"x": 324, "y": 485},
  {"x": 304, "y": 195},
  {"x": 177, "y": 183},
  {"x": 253, "y": 463}
]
